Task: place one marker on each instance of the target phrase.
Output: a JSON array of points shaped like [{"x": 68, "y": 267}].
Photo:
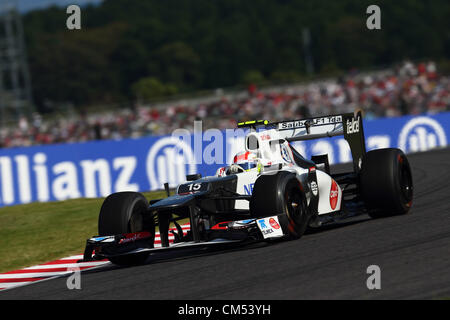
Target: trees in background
[{"x": 129, "y": 49}]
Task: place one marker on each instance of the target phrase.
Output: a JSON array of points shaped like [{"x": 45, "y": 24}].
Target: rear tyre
[
  {"x": 386, "y": 183},
  {"x": 277, "y": 194},
  {"x": 124, "y": 212}
]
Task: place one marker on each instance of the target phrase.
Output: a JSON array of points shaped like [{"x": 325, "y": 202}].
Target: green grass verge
[{"x": 40, "y": 232}]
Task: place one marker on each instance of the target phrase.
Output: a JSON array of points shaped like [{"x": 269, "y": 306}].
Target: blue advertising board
[{"x": 99, "y": 168}]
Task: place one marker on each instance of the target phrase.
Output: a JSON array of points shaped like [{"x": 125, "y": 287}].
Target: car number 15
[{"x": 194, "y": 186}]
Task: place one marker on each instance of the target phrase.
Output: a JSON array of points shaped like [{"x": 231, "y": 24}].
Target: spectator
[{"x": 407, "y": 89}]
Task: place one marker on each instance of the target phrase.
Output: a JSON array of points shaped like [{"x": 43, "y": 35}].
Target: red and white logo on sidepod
[{"x": 333, "y": 194}]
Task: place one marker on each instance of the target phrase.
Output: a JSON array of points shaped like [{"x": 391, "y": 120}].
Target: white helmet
[{"x": 247, "y": 160}]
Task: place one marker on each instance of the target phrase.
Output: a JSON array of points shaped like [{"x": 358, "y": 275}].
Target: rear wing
[{"x": 348, "y": 125}]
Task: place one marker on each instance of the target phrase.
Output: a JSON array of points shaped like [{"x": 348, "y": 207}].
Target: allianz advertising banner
[{"x": 99, "y": 168}]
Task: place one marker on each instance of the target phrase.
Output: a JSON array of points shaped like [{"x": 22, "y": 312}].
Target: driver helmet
[{"x": 247, "y": 160}]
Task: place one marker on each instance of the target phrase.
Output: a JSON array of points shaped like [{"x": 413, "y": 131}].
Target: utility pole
[{"x": 15, "y": 82}]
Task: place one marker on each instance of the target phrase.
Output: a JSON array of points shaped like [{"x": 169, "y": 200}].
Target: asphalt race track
[{"x": 412, "y": 251}]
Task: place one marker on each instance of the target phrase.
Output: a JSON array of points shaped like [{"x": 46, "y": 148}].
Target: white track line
[
  {"x": 67, "y": 265},
  {"x": 31, "y": 275}
]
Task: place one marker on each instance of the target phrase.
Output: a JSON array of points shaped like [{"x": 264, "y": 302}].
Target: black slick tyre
[
  {"x": 124, "y": 212},
  {"x": 281, "y": 194},
  {"x": 386, "y": 183}
]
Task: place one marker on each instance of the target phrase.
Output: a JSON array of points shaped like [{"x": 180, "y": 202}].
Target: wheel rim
[{"x": 294, "y": 205}]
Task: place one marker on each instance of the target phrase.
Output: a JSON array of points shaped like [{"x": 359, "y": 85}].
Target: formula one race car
[{"x": 288, "y": 194}]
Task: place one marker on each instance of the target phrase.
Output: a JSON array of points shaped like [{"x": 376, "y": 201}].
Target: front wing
[{"x": 221, "y": 235}]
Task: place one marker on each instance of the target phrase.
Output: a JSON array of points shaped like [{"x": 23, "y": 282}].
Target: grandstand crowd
[{"x": 406, "y": 89}]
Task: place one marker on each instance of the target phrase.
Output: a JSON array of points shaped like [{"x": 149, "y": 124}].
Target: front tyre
[
  {"x": 124, "y": 212},
  {"x": 386, "y": 182},
  {"x": 277, "y": 194}
]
